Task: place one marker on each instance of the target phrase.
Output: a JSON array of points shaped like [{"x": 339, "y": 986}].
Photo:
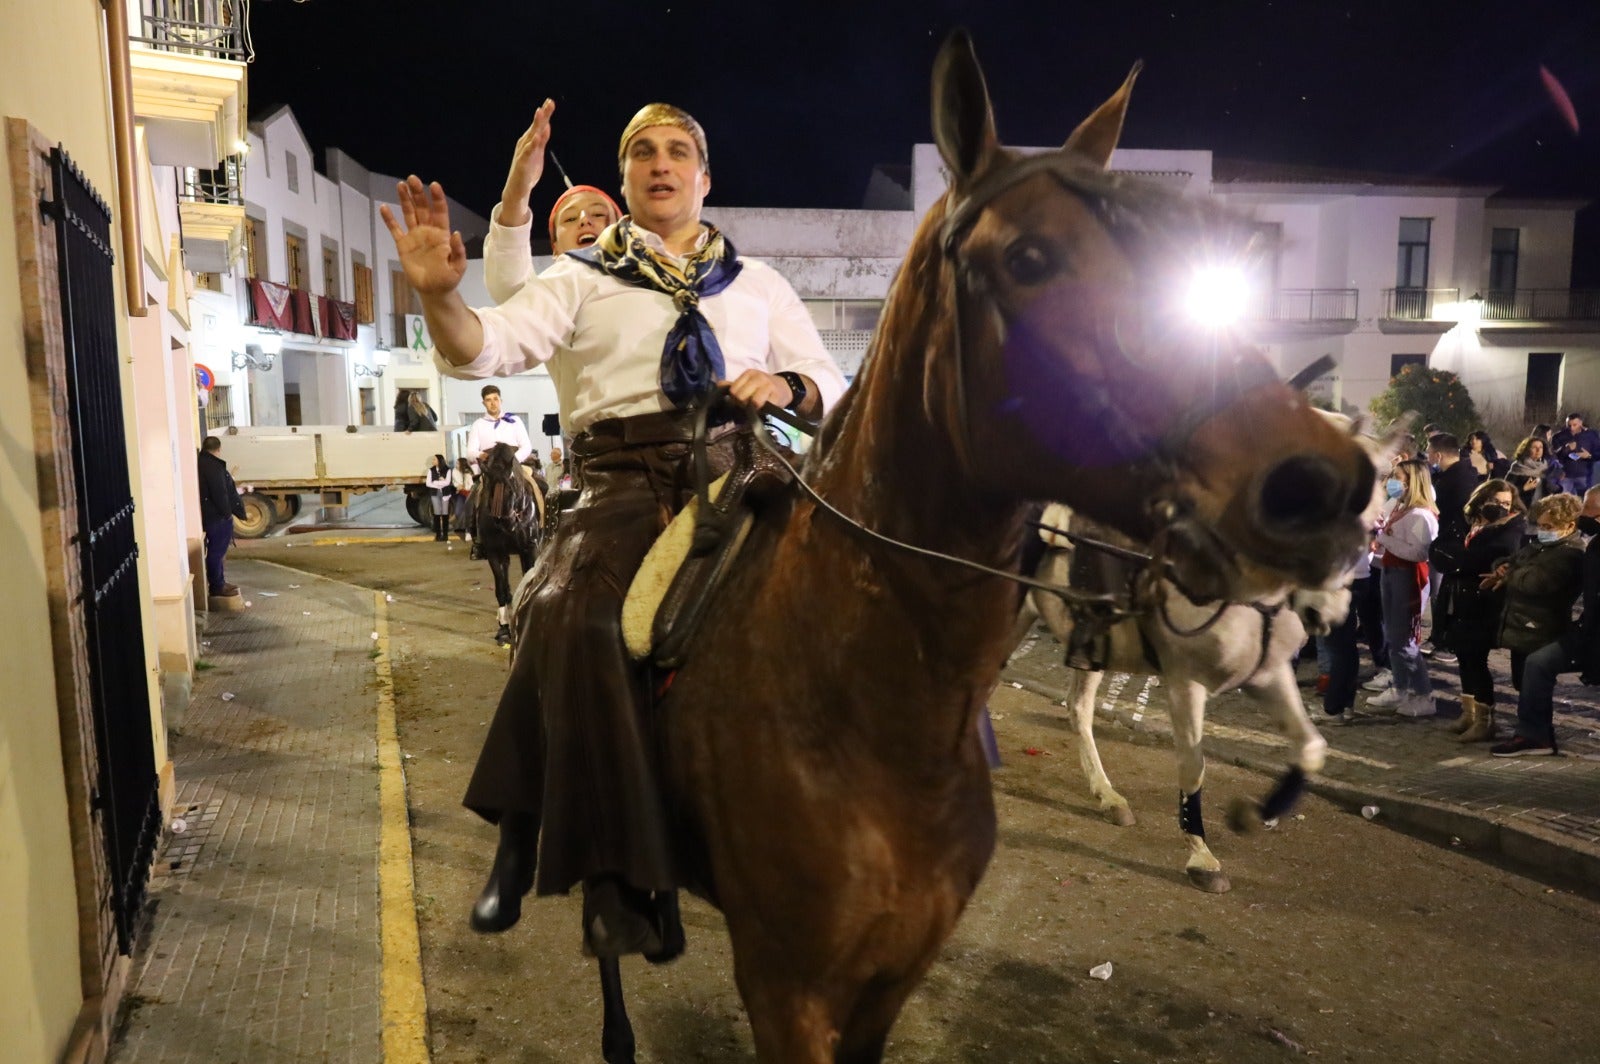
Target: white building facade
[{"x": 275, "y": 325}]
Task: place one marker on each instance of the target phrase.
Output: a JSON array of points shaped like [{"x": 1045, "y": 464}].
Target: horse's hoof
[
  {"x": 1244, "y": 816},
  {"x": 617, "y": 1049},
  {"x": 1121, "y": 816},
  {"x": 1212, "y": 882}
]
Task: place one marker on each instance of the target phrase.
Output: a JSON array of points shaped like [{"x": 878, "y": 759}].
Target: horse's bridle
[{"x": 1114, "y": 200}]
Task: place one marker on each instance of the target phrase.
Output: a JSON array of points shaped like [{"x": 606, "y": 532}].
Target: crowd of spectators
[{"x": 1475, "y": 551}]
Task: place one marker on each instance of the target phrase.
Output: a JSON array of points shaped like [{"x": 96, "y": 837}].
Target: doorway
[{"x": 1542, "y": 394}]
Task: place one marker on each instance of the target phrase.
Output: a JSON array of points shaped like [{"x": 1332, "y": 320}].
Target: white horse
[{"x": 1198, "y": 651}]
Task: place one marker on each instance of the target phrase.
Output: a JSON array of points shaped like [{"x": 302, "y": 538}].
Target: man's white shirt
[
  {"x": 485, "y": 432},
  {"x": 602, "y": 339}
]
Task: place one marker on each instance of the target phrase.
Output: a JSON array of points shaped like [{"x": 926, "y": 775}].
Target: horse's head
[
  {"x": 501, "y": 463},
  {"x": 1070, "y": 372}
]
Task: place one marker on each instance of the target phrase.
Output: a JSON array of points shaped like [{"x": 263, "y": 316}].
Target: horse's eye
[{"x": 1029, "y": 262}]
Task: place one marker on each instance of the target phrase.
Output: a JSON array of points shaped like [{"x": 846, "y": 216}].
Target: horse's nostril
[{"x": 1302, "y": 490}]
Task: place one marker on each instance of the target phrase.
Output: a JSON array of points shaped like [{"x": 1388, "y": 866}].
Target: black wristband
[{"x": 797, "y": 389}]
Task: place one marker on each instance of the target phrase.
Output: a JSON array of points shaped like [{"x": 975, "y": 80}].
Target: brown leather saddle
[{"x": 676, "y": 585}]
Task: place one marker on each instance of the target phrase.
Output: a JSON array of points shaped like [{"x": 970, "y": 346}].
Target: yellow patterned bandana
[{"x": 664, "y": 114}]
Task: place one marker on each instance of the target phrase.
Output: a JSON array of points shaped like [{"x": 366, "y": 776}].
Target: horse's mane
[
  {"x": 906, "y": 332},
  {"x": 501, "y": 470}
]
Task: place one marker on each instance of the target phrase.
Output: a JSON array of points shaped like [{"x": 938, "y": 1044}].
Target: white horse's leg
[
  {"x": 1081, "y": 689},
  {"x": 1278, "y": 693},
  {"x": 1186, "y": 702}
]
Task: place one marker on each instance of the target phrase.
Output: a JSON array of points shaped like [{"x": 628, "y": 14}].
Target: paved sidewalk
[
  {"x": 1543, "y": 812},
  {"x": 264, "y": 942}
]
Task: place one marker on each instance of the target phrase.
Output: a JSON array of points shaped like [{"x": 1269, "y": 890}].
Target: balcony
[
  {"x": 211, "y": 212},
  {"x": 1542, "y": 307},
  {"x": 1420, "y": 309},
  {"x": 296, "y": 311},
  {"x": 188, "y": 59},
  {"x": 1285, "y": 313}
]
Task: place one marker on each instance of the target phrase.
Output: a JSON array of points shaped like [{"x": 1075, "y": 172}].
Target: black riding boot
[
  {"x": 499, "y": 904},
  {"x": 441, "y": 530}
]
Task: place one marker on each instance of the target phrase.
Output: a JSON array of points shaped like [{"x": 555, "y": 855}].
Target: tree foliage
[{"x": 1435, "y": 396}]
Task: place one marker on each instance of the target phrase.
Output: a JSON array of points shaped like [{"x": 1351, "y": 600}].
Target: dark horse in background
[
  {"x": 821, "y": 742},
  {"x": 506, "y": 513}
]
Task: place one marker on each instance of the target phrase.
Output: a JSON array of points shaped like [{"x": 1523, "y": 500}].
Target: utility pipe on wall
[{"x": 122, "y": 135}]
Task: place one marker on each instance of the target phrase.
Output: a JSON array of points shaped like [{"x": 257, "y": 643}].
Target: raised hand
[
  {"x": 433, "y": 257},
  {"x": 527, "y": 166}
]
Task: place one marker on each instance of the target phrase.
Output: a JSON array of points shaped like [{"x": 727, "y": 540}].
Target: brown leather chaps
[{"x": 575, "y": 741}]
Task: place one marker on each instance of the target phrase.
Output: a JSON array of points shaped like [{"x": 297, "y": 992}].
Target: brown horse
[{"x": 822, "y": 746}]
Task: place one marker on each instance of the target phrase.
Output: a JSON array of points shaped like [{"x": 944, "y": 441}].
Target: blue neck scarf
[{"x": 691, "y": 361}]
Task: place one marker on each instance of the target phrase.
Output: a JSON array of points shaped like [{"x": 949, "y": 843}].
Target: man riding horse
[{"x": 635, "y": 329}]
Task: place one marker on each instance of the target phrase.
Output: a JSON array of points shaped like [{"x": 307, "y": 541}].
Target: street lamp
[{"x": 253, "y": 355}]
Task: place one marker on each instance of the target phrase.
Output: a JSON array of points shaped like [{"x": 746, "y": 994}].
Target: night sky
[{"x": 800, "y": 101}]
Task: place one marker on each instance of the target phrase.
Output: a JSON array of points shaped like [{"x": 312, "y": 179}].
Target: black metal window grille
[{"x": 126, "y": 787}]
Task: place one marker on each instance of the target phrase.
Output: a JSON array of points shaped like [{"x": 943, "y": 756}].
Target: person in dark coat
[
  {"x": 1577, "y": 650},
  {"x": 1541, "y": 582},
  {"x": 1453, "y": 486},
  {"x": 1497, "y": 525},
  {"x": 219, "y": 505},
  {"x": 1576, "y": 447}
]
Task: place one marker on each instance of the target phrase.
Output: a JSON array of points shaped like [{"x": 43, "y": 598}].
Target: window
[
  {"x": 1411, "y": 269},
  {"x": 363, "y": 281},
  {"x": 219, "y": 408},
  {"x": 1397, "y": 363},
  {"x": 255, "y": 248},
  {"x": 210, "y": 282},
  {"x": 296, "y": 250},
  {"x": 406, "y": 302},
  {"x": 330, "y": 271},
  {"x": 1503, "y": 260},
  {"x": 291, "y": 169},
  {"x": 369, "y": 405}
]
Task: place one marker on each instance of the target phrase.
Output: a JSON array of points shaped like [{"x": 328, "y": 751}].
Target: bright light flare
[{"x": 1218, "y": 296}]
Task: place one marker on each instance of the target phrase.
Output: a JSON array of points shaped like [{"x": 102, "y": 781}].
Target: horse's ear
[
  {"x": 963, "y": 123},
  {"x": 1098, "y": 134}
]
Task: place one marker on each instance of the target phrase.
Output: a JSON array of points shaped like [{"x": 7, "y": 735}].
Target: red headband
[{"x": 573, "y": 191}]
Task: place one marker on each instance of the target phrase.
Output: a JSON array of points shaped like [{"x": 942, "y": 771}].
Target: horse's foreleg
[
  {"x": 1081, "y": 689},
  {"x": 1280, "y": 696},
  {"x": 790, "y": 1024},
  {"x": 616, "y": 1033},
  {"x": 1186, "y": 703}
]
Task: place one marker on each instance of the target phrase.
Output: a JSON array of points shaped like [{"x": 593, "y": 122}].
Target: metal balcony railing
[
  {"x": 1418, "y": 304},
  {"x": 1542, "y": 304},
  {"x": 196, "y": 27},
  {"x": 1306, "y": 305},
  {"x": 225, "y": 184}
]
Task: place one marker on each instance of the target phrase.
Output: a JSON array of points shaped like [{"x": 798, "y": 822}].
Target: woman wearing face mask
[
  {"x": 1541, "y": 582},
  {"x": 1576, "y": 651},
  {"x": 1402, "y": 543},
  {"x": 1495, "y": 517}
]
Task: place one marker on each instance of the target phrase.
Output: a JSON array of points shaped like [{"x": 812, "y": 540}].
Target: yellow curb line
[
  {"x": 405, "y": 1003},
  {"x": 337, "y": 541}
]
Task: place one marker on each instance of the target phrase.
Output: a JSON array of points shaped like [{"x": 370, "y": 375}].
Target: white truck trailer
[{"x": 275, "y": 466}]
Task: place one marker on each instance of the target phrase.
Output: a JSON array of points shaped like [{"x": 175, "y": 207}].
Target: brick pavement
[
  {"x": 263, "y": 943},
  {"x": 1540, "y": 811}
]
